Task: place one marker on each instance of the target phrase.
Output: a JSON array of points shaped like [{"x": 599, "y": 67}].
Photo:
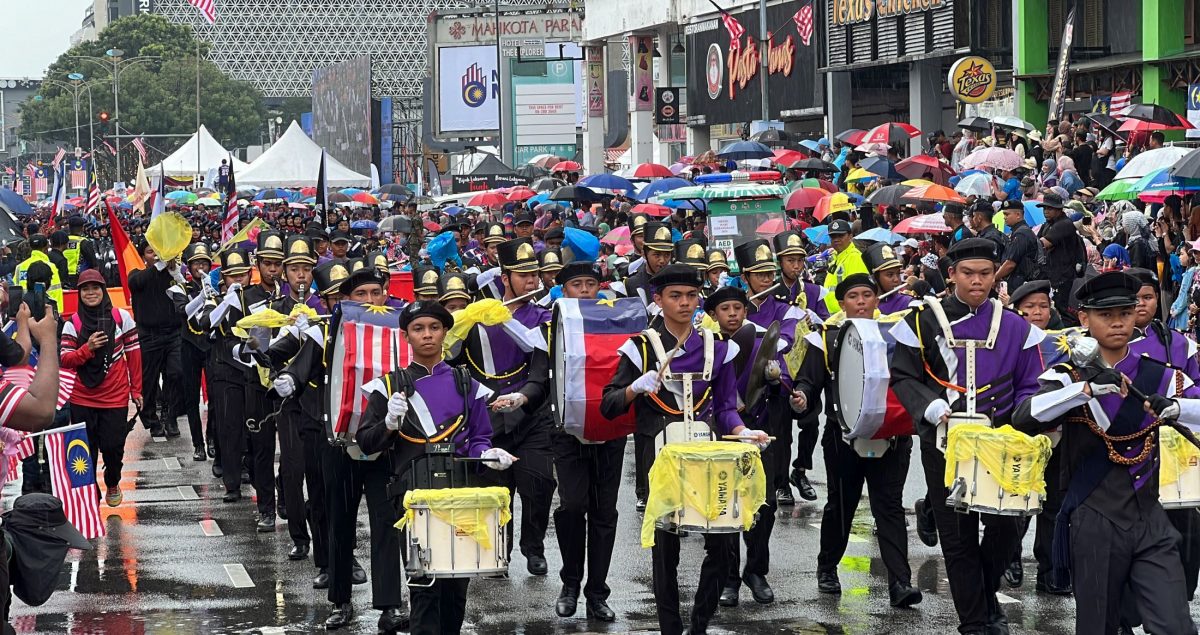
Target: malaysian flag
[
  {"x": 141, "y": 148},
  {"x": 73, "y": 479},
  {"x": 207, "y": 8},
  {"x": 736, "y": 31},
  {"x": 24, "y": 449},
  {"x": 230, "y": 225},
  {"x": 93, "y": 199},
  {"x": 78, "y": 179},
  {"x": 59, "y": 194},
  {"x": 804, "y": 23},
  {"x": 111, "y": 149},
  {"x": 8, "y": 170},
  {"x": 1120, "y": 103},
  {"x": 58, "y": 157},
  {"x": 367, "y": 345}
]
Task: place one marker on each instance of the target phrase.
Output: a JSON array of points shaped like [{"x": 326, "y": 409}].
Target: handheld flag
[
  {"x": 159, "y": 204},
  {"x": 73, "y": 479},
  {"x": 128, "y": 258},
  {"x": 93, "y": 199},
  {"x": 322, "y": 194},
  {"x": 59, "y": 194},
  {"x": 141, "y": 189}
]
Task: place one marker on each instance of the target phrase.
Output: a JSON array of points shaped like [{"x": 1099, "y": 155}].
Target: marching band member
[
  {"x": 425, "y": 283},
  {"x": 885, "y": 268},
  {"x": 717, "y": 265},
  {"x": 452, "y": 291},
  {"x": 677, "y": 291},
  {"x": 847, "y": 470},
  {"x": 965, "y": 353},
  {"x": 492, "y": 237},
  {"x": 408, "y": 406},
  {"x": 589, "y": 476},
  {"x": 194, "y": 348},
  {"x": 1112, "y": 526},
  {"x": 690, "y": 252},
  {"x": 789, "y": 250},
  {"x": 550, "y": 262},
  {"x": 514, "y": 365},
  {"x": 657, "y": 249}
]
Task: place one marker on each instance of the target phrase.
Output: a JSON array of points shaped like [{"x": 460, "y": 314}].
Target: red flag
[
  {"x": 804, "y": 23},
  {"x": 207, "y": 8},
  {"x": 736, "y": 31},
  {"x": 128, "y": 258},
  {"x": 73, "y": 479}
]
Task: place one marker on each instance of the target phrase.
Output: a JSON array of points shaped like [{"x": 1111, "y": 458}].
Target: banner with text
[{"x": 468, "y": 89}]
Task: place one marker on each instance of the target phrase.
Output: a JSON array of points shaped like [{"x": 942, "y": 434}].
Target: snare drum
[
  {"x": 710, "y": 490},
  {"x": 958, "y": 418},
  {"x": 682, "y": 432},
  {"x": 866, "y": 407},
  {"x": 974, "y": 488},
  {"x": 456, "y": 533},
  {"x": 1179, "y": 474}
]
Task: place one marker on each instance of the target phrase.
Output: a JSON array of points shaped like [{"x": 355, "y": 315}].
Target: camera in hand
[{"x": 37, "y": 279}]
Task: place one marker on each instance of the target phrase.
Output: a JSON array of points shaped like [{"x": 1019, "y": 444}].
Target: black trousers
[
  {"x": 532, "y": 477},
  {"x": 106, "y": 430},
  {"x": 346, "y": 481},
  {"x": 758, "y": 537},
  {"x": 1187, "y": 523},
  {"x": 1142, "y": 560},
  {"x": 586, "y": 519},
  {"x": 884, "y": 477},
  {"x": 665, "y": 555},
  {"x": 1043, "y": 538},
  {"x": 313, "y": 442},
  {"x": 808, "y": 428},
  {"x": 192, "y": 360},
  {"x": 239, "y": 402},
  {"x": 160, "y": 360},
  {"x": 291, "y": 471},
  {"x": 643, "y": 458},
  {"x": 974, "y": 564},
  {"x": 439, "y": 609}
]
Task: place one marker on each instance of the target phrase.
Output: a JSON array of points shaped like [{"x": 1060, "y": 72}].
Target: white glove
[
  {"x": 284, "y": 385},
  {"x": 503, "y": 460},
  {"x": 515, "y": 400},
  {"x": 301, "y": 323},
  {"x": 177, "y": 274},
  {"x": 799, "y": 401},
  {"x": 723, "y": 279},
  {"x": 397, "y": 409},
  {"x": 936, "y": 409},
  {"x": 772, "y": 372},
  {"x": 160, "y": 265},
  {"x": 1104, "y": 389},
  {"x": 753, "y": 436},
  {"x": 647, "y": 383},
  {"x": 231, "y": 295},
  {"x": 1171, "y": 412}
]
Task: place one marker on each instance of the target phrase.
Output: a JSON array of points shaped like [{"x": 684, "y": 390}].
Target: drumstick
[
  {"x": 671, "y": 355},
  {"x": 734, "y": 437}
]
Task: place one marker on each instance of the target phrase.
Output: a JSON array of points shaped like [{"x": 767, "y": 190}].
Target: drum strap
[
  {"x": 970, "y": 391},
  {"x": 689, "y": 401}
]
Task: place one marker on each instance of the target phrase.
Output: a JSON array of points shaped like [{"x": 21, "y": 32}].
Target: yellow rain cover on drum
[
  {"x": 1177, "y": 455},
  {"x": 1002, "y": 451},
  {"x": 463, "y": 508},
  {"x": 489, "y": 312},
  {"x": 679, "y": 470},
  {"x": 169, "y": 234},
  {"x": 272, "y": 319}
]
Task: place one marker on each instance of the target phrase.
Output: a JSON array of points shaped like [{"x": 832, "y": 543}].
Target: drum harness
[
  {"x": 689, "y": 406},
  {"x": 970, "y": 392},
  {"x": 440, "y": 446}
]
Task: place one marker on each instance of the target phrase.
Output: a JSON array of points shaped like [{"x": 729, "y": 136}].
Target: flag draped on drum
[{"x": 366, "y": 344}]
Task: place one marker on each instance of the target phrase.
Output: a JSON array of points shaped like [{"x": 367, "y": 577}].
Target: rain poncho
[
  {"x": 1016, "y": 460},
  {"x": 680, "y": 477},
  {"x": 464, "y": 508}
]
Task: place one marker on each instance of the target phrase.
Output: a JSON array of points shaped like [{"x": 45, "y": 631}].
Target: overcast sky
[{"x": 39, "y": 31}]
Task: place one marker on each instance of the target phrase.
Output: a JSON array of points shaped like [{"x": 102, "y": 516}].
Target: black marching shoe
[
  {"x": 157, "y": 430},
  {"x": 827, "y": 582},
  {"x": 392, "y": 620},
  {"x": 729, "y": 596},
  {"x": 568, "y": 599},
  {"x": 322, "y": 580},
  {"x": 1014, "y": 575},
  {"x": 640, "y": 506},
  {"x": 299, "y": 551},
  {"x": 232, "y": 497},
  {"x": 342, "y": 615},
  {"x": 266, "y": 523},
  {"x": 903, "y": 594},
  {"x": 217, "y": 470},
  {"x": 783, "y": 496},
  {"x": 280, "y": 509},
  {"x": 358, "y": 575},
  {"x": 800, "y": 479},
  {"x": 198, "y": 454},
  {"x": 759, "y": 588},
  {"x": 171, "y": 428},
  {"x": 536, "y": 565},
  {"x": 211, "y": 446},
  {"x": 598, "y": 610},
  {"x": 1044, "y": 585},
  {"x": 926, "y": 527}
]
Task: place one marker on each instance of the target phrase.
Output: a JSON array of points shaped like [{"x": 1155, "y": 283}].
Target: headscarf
[
  {"x": 91, "y": 320},
  {"x": 1119, "y": 253},
  {"x": 1066, "y": 164},
  {"x": 1050, "y": 163}
]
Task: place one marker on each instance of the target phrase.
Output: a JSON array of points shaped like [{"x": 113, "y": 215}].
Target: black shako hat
[
  {"x": 853, "y": 281},
  {"x": 1110, "y": 290}
]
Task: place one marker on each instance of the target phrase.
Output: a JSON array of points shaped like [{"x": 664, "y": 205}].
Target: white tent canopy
[
  {"x": 294, "y": 161},
  {"x": 183, "y": 162}
]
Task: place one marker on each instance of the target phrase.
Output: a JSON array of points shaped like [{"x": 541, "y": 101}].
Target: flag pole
[
  {"x": 74, "y": 426},
  {"x": 196, "y": 181}
]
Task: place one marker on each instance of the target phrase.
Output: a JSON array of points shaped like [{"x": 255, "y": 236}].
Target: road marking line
[
  {"x": 187, "y": 493},
  {"x": 1006, "y": 599},
  {"x": 172, "y": 463},
  {"x": 238, "y": 576},
  {"x": 158, "y": 439},
  {"x": 210, "y": 528}
]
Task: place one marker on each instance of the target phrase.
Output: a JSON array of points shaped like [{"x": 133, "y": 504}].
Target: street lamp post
[
  {"x": 76, "y": 88},
  {"x": 118, "y": 65}
]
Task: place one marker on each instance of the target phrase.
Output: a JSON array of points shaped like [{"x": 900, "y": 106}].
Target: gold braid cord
[{"x": 1109, "y": 439}]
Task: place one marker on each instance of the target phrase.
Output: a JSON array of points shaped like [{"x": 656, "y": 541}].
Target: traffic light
[{"x": 103, "y": 121}]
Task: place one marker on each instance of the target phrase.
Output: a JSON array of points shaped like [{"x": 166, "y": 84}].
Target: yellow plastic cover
[
  {"x": 1178, "y": 454},
  {"x": 169, "y": 234},
  {"x": 463, "y": 508},
  {"x": 680, "y": 470},
  {"x": 1015, "y": 459},
  {"x": 273, "y": 319},
  {"x": 488, "y": 312}
]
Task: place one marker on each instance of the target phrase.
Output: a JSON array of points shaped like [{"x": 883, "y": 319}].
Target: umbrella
[
  {"x": 772, "y": 137},
  {"x": 889, "y": 195},
  {"x": 1109, "y": 124},
  {"x": 14, "y": 202},
  {"x": 1016, "y": 123},
  {"x": 651, "y": 171},
  {"x": 181, "y": 195},
  {"x": 395, "y": 189},
  {"x": 546, "y": 184},
  {"x": 813, "y": 165},
  {"x": 889, "y": 133},
  {"x": 75, "y": 200},
  {"x": 609, "y": 182},
  {"x": 831, "y": 205},
  {"x": 880, "y": 166},
  {"x": 272, "y": 192},
  {"x": 338, "y": 197},
  {"x": 1137, "y": 125},
  {"x": 788, "y": 157},
  {"x": 618, "y": 236},
  {"x": 880, "y": 149},
  {"x": 661, "y": 186},
  {"x": 396, "y": 223},
  {"x": 651, "y": 209},
  {"x": 678, "y": 167},
  {"x": 819, "y": 235},
  {"x": 978, "y": 184},
  {"x": 350, "y": 191},
  {"x": 366, "y": 198},
  {"x": 771, "y": 227},
  {"x": 566, "y": 166},
  {"x": 1151, "y": 160},
  {"x": 739, "y": 150},
  {"x": 488, "y": 199},
  {"x": 576, "y": 193},
  {"x": 1162, "y": 180},
  {"x": 1118, "y": 191},
  {"x": 998, "y": 158},
  {"x": 205, "y": 192},
  {"x": 312, "y": 191},
  {"x": 297, "y": 206},
  {"x": 532, "y": 171},
  {"x": 1153, "y": 113},
  {"x": 880, "y": 235},
  {"x": 924, "y": 223},
  {"x": 859, "y": 174},
  {"x": 432, "y": 226},
  {"x": 936, "y": 193},
  {"x": 1187, "y": 167},
  {"x": 364, "y": 224},
  {"x": 853, "y": 136},
  {"x": 1034, "y": 215},
  {"x": 922, "y": 164},
  {"x": 520, "y": 194},
  {"x": 975, "y": 123},
  {"x": 545, "y": 160},
  {"x": 804, "y": 198},
  {"x": 207, "y": 202}
]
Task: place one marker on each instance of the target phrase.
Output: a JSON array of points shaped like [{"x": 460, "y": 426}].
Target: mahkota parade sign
[{"x": 731, "y": 70}]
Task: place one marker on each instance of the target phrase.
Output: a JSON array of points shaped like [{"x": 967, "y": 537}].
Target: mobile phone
[{"x": 36, "y": 300}]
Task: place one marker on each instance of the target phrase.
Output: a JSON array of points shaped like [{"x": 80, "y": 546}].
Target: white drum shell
[
  {"x": 445, "y": 552},
  {"x": 1184, "y": 493}
]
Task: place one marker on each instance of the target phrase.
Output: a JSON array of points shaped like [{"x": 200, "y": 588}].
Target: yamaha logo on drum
[{"x": 723, "y": 492}]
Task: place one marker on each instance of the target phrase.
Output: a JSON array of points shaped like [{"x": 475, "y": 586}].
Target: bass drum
[
  {"x": 365, "y": 344},
  {"x": 585, "y": 336},
  {"x": 865, "y": 405}
]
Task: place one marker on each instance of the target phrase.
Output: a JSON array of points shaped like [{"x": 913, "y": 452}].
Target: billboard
[
  {"x": 546, "y": 109},
  {"x": 341, "y": 99},
  {"x": 468, "y": 89}
]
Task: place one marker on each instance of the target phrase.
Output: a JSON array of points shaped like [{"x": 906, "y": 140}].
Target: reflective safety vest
[
  {"x": 19, "y": 276},
  {"x": 72, "y": 254}
]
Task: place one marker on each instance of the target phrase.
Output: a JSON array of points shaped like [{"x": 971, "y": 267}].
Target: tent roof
[
  {"x": 294, "y": 161},
  {"x": 183, "y": 162},
  {"x": 491, "y": 166}
]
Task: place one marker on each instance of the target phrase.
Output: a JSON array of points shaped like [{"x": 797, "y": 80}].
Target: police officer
[{"x": 80, "y": 252}]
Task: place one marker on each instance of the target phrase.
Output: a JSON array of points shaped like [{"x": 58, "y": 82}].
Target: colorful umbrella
[
  {"x": 1137, "y": 125},
  {"x": 889, "y": 133},
  {"x": 997, "y": 158},
  {"x": 936, "y": 193},
  {"x": 918, "y": 166},
  {"x": 520, "y": 193},
  {"x": 853, "y": 136},
  {"x": 432, "y": 226},
  {"x": 488, "y": 199},
  {"x": 661, "y": 186},
  {"x": 877, "y": 149},
  {"x": 545, "y": 160},
  {"x": 618, "y": 236},
  {"x": 788, "y": 157},
  {"x": 880, "y": 235},
  {"x": 819, "y": 235},
  {"x": 978, "y": 184},
  {"x": 566, "y": 166},
  {"x": 924, "y": 223},
  {"x": 207, "y": 202},
  {"x": 366, "y": 198},
  {"x": 771, "y": 227},
  {"x": 1118, "y": 191},
  {"x": 804, "y": 198},
  {"x": 831, "y": 204},
  {"x": 651, "y": 171},
  {"x": 1154, "y": 113},
  {"x": 178, "y": 195},
  {"x": 651, "y": 209},
  {"x": 858, "y": 174}
]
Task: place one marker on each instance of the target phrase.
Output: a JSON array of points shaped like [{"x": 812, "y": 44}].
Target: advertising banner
[
  {"x": 468, "y": 89},
  {"x": 481, "y": 29},
  {"x": 641, "y": 51},
  {"x": 1193, "y": 110},
  {"x": 666, "y": 105},
  {"x": 595, "y": 81},
  {"x": 545, "y": 102},
  {"x": 481, "y": 183},
  {"x": 1059, "y": 93}
]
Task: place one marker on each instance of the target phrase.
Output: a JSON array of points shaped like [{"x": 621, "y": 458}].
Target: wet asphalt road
[{"x": 177, "y": 560}]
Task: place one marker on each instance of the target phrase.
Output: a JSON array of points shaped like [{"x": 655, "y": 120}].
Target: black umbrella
[
  {"x": 975, "y": 123},
  {"x": 742, "y": 150},
  {"x": 889, "y": 195},
  {"x": 1188, "y": 167},
  {"x": 1106, "y": 123},
  {"x": 532, "y": 171},
  {"x": 813, "y": 165},
  {"x": 577, "y": 193},
  {"x": 547, "y": 184},
  {"x": 1154, "y": 114},
  {"x": 338, "y": 197},
  {"x": 773, "y": 137}
]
